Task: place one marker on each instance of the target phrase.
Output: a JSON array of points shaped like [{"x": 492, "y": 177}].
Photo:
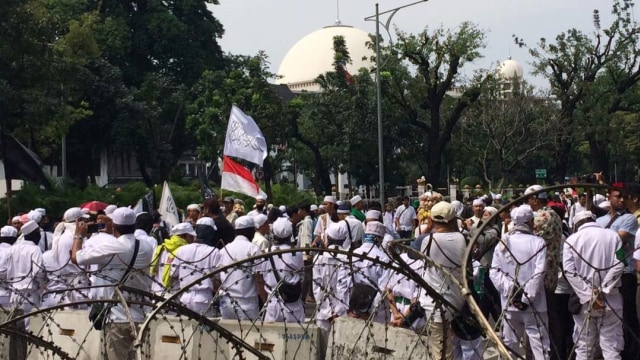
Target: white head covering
[
  {"x": 338, "y": 230},
  {"x": 521, "y": 215},
  {"x": 313, "y": 207},
  {"x": 29, "y": 227},
  {"x": 110, "y": 209},
  {"x": 376, "y": 228},
  {"x": 442, "y": 212},
  {"x": 35, "y": 216},
  {"x": 193, "y": 207},
  {"x": 491, "y": 210},
  {"x": 478, "y": 202},
  {"x": 356, "y": 199},
  {"x": 15, "y": 219},
  {"x": 457, "y": 207},
  {"x": 73, "y": 214},
  {"x": 207, "y": 221},
  {"x": 282, "y": 228},
  {"x": 534, "y": 188},
  {"x": 598, "y": 198},
  {"x": 244, "y": 222},
  {"x": 330, "y": 199},
  {"x": 605, "y": 205},
  {"x": 8, "y": 231},
  {"x": 259, "y": 220},
  {"x": 373, "y": 215},
  {"x": 41, "y": 211},
  {"x": 183, "y": 229},
  {"x": 123, "y": 216},
  {"x": 579, "y": 216}
]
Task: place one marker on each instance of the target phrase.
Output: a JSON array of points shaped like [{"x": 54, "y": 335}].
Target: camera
[
  {"x": 94, "y": 228},
  {"x": 588, "y": 179}
]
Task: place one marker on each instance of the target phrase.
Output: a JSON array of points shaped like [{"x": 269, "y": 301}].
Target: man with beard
[{"x": 260, "y": 206}]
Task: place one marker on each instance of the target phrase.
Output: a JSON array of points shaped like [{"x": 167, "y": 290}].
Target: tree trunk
[
  {"x": 598, "y": 154},
  {"x": 267, "y": 170}
]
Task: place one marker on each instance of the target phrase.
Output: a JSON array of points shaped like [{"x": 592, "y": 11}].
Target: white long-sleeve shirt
[
  {"x": 600, "y": 268},
  {"x": 305, "y": 232},
  {"x": 25, "y": 271},
  {"x": 331, "y": 284},
  {"x": 239, "y": 282},
  {"x": 191, "y": 262},
  {"x": 520, "y": 256},
  {"x": 289, "y": 267}
]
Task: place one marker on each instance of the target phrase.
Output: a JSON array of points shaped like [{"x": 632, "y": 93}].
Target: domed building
[
  {"x": 312, "y": 56},
  {"x": 511, "y": 74}
]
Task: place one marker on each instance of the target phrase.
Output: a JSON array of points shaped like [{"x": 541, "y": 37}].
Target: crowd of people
[{"x": 556, "y": 273}]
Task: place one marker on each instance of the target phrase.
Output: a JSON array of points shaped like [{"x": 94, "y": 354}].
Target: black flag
[
  {"x": 206, "y": 191},
  {"x": 149, "y": 202},
  {"x": 20, "y": 162}
]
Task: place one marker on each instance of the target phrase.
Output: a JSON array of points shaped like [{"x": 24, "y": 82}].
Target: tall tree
[
  {"x": 425, "y": 99},
  {"x": 572, "y": 65}
]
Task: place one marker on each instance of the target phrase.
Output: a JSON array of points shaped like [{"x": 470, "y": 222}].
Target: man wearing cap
[
  {"x": 242, "y": 285},
  {"x": 16, "y": 223},
  {"x": 289, "y": 268},
  {"x": 364, "y": 271},
  {"x": 64, "y": 275},
  {"x": 518, "y": 270},
  {"x": 357, "y": 205},
  {"x": 477, "y": 208},
  {"x": 96, "y": 292},
  {"x": 259, "y": 207},
  {"x": 262, "y": 229},
  {"x": 8, "y": 236},
  {"x": 355, "y": 226},
  {"x": 164, "y": 255},
  {"x": 594, "y": 272},
  {"x": 626, "y": 225},
  {"x": 331, "y": 281},
  {"x": 46, "y": 237},
  {"x": 445, "y": 246},
  {"x": 388, "y": 216},
  {"x": 330, "y": 215},
  {"x": 25, "y": 271},
  {"x": 227, "y": 208},
  {"x": 193, "y": 214},
  {"x": 405, "y": 219},
  {"x": 144, "y": 225},
  {"x": 192, "y": 261},
  {"x": 114, "y": 258}
]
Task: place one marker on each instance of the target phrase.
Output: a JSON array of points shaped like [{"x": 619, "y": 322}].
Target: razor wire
[{"x": 192, "y": 330}]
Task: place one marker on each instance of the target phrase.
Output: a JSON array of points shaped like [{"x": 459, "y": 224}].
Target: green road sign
[{"x": 541, "y": 173}]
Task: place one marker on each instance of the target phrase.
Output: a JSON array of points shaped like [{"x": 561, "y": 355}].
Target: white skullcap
[
  {"x": 579, "y": 216},
  {"x": 35, "y": 216},
  {"x": 605, "y": 205},
  {"x": 29, "y": 227},
  {"x": 330, "y": 199},
  {"x": 457, "y": 207},
  {"x": 283, "y": 209},
  {"x": 373, "y": 215},
  {"x": 193, "y": 207},
  {"x": 183, "y": 229},
  {"x": 478, "y": 202},
  {"x": 207, "y": 221},
  {"x": 491, "y": 210},
  {"x": 499, "y": 197},
  {"x": 261, "y": 197},
  {"x": 110, "y": 209},
  {"x": 244, "y": 222},
  {"x": 442, "y": 212},
  {"x": 338, "y": 230},
  {"x": 123, "y": 216},
  {"x": 356, "y": 199},
  {"x": 522, "y": 214},
  {"x": 8, "y": 231},
  {"x": 598, "y": 198},
  {"x": 74, "y": 214},
  {"x": 41, "y": 211},
  {"x": 282, "y": 228},
  {"x": 322, "y": 206},
  {"x": 484, "y": 197},
  {"x": 259, "y": 220},
  {"x": 339, "y": 203},
  {"x": 376, "y": 228},
  {"x": 313, "y": 207},
  {"x": 533, "y": 188},
  {"x": 15, "y": 219}
]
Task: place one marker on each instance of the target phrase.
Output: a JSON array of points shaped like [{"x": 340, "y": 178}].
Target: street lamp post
[{"x": 386, "y": 25}]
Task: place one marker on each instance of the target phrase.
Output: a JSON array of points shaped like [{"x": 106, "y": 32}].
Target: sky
[{"x": 276, "y": 25}]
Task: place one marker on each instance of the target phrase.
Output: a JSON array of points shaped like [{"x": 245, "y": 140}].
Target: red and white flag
[
  {"x": 238, "y": 178},
  {"x": 244, "y": 139}
]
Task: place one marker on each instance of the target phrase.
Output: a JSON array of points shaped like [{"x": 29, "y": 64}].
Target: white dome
[
  {"x": 313, "y": 56},
  {"x": 510, "y": 69}
]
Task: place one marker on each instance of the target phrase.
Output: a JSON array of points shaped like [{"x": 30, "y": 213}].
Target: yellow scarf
[{"x": 170, "y": 245}]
